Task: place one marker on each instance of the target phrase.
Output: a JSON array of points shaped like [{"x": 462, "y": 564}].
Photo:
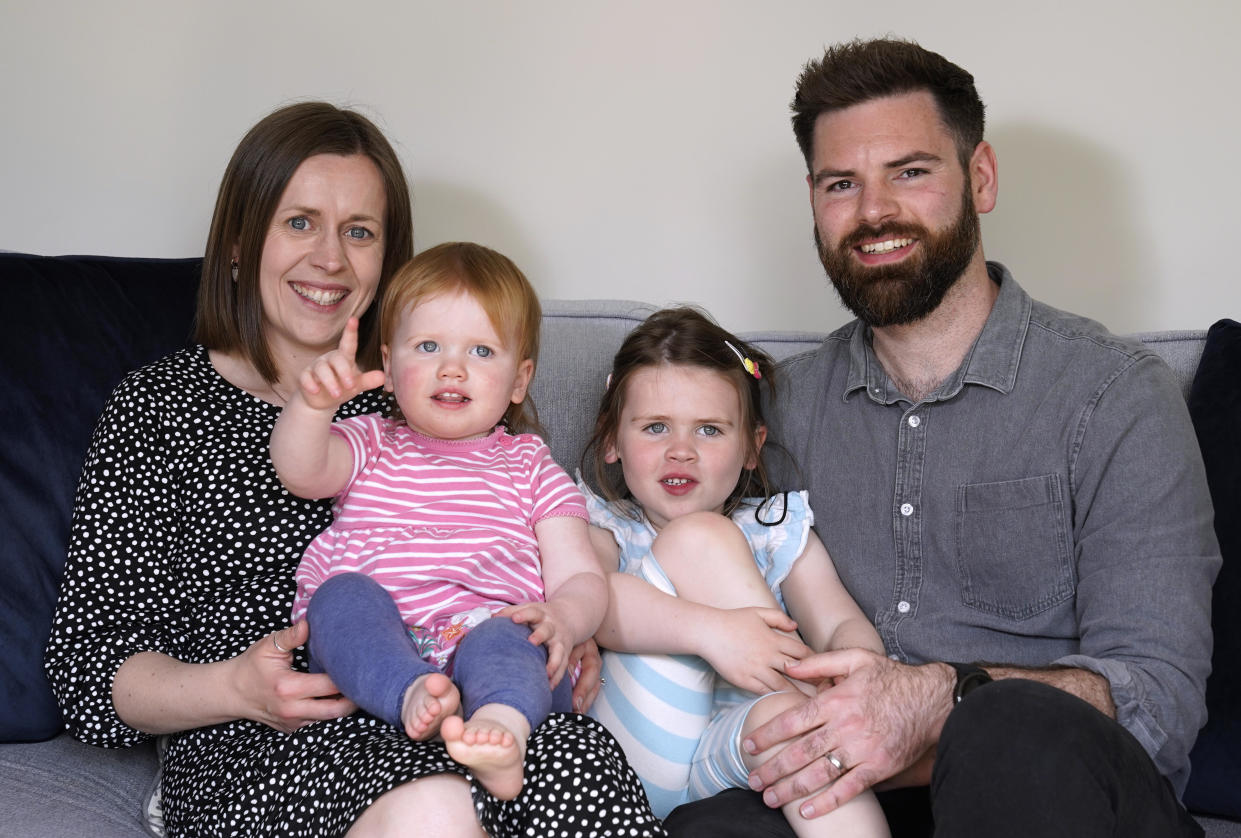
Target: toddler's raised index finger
[{"x": 348, "y": 345}]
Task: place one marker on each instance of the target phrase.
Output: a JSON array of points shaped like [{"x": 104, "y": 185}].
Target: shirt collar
[{"x": 991, "y": 362}]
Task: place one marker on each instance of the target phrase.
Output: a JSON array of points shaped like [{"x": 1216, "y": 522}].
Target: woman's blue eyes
[{"x": 301, "y": 223}]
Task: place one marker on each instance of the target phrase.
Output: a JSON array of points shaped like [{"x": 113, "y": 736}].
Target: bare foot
[
  {"x": 430, "y": 700},
  {"x": 489, "y": 747}
]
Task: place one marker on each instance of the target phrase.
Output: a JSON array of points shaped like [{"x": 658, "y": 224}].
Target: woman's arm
[
  {"x": 158, "y": 694},
  {"x": 826, "y": 614},
  {"x": 121, "y": 614},
  {"x": 311, "y": 462}
]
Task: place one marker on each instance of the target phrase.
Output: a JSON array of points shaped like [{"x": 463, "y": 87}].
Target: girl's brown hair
[
  {"x": 684, "y": 337},
  {"x": 230, "y": 313},
  {"x": 494, "y": 282}
]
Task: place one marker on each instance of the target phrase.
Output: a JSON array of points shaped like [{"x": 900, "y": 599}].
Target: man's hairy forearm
[{"x": 1090, "y": 687}]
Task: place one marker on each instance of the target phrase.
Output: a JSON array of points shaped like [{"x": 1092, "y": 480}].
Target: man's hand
[{"x": 875, "y": 716}]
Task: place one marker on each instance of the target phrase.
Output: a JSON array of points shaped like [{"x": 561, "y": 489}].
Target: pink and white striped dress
[{"x": 446, "y": 527}]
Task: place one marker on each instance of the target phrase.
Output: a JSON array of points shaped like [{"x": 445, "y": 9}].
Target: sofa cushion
[
  {"x": 1215, "y": 405},
  {"x": 75, "y": 326}
]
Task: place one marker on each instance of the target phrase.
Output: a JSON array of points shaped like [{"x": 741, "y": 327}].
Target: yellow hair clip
[{"x": 750, "y": 366}]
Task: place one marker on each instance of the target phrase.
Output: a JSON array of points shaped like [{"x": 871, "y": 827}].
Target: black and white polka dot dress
[{"x": 185, "y": 543}]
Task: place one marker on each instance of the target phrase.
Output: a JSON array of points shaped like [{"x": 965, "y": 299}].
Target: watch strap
[{"x": 970, "y": 676}]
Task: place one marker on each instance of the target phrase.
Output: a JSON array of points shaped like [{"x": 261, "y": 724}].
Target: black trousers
[{"x": 1016, "y": 758}]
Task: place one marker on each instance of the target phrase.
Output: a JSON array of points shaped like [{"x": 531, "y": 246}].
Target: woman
[{"x": 173, "y": 616}]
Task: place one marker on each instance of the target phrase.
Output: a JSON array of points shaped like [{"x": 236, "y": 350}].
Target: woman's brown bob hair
[
  {"x": 230, "y": 314},
  {"x": 684, "y": 337},
  {"x": 495, "y": 283}
]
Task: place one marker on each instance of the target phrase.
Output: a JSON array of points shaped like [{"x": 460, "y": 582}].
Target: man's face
[{"x": 895, "y": 218}]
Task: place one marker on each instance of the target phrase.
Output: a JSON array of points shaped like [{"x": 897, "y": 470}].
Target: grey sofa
[{"x": 83, "y": 322}]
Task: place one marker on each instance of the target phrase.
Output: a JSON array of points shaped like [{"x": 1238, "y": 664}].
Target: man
[{"x": 999, "y": 483}]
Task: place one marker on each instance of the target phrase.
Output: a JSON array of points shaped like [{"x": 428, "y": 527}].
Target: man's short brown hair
[{"x": 858, "y": 71}]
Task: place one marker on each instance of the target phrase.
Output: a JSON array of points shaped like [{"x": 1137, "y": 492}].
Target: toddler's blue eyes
[
  {"x": 428, "y": 346},
  {"x": 483, "y": 351}
]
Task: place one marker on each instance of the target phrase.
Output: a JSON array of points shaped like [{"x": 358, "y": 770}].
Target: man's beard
[{"x": 905, "y": 292}]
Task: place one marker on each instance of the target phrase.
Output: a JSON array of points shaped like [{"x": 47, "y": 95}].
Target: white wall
[{"x": 641, "y": 149}]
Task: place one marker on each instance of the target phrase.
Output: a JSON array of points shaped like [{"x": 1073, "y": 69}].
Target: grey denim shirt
[{"x": 1047, "y": 504}]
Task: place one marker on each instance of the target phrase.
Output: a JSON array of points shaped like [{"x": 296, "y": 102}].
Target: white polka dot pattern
[{"x": 185, "y": 543}]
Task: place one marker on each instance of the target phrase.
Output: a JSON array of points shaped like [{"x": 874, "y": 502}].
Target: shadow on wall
[{"x": 1065, "y": 225}]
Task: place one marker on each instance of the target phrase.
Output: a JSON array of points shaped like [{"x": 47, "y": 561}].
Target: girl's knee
[
  {"x": 700, "y": 542},
  {"x": 764, "y": 710},
  {"x": 699, "y": 530},
  {"x": 769, "y": 706}
]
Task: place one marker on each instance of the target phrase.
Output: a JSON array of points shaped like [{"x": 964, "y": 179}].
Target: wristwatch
[{"x": 970, "y": 676}]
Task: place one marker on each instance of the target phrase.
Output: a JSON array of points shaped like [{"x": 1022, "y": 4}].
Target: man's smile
[{"x": 885, "y": 246}]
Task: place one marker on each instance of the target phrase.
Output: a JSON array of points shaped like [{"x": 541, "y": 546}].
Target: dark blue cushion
[
  {"x": 1215, "y": 405},
  {"x": 75, "y": 326}
]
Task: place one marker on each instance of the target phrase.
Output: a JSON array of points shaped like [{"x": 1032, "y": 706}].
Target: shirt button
[
  {"x": 907, "y": 509},
  {"x": 915, "y": 421},
  {"x": 902, "y": 607}
]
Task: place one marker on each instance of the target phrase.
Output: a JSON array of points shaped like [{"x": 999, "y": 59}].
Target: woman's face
[{"x": 322, "y": 256}]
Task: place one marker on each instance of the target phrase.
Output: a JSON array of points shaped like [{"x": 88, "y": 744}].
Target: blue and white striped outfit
[{"x": 678, "y": 722}]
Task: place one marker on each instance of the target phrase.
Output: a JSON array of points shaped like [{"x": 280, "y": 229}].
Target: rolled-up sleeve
[{"x": 1146, "y": 558}]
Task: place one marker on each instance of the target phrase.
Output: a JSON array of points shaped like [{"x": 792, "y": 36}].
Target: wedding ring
[
  {"x": 835, "y": 762},
  {"x": 278, "y": 646}
]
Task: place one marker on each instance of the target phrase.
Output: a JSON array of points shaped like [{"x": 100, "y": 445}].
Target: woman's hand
[
  {"x": 586, "y": 690},
  {"x": 335, "y": 378},
  {"x": 156, "y": 693},
  {"x": 278, "y": 696},
  {"x": 750, "y": 647}
]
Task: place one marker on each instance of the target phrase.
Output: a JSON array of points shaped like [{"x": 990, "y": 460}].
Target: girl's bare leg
[
  {"x": 707, "y": 558},
  {"x": 861, "y": 817}
]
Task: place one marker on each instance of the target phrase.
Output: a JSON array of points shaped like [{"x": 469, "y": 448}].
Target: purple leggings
[{"x": 357, "y": 637}]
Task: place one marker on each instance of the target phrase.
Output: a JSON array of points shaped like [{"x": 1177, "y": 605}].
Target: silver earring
[{"x": 233, "y": 269}]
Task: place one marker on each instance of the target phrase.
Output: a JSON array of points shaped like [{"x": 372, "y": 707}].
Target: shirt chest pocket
[{"x": 1013, "y": 552}]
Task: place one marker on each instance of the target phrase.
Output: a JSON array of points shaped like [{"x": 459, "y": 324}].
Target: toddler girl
[
  {"x": 458, "y": 548},
  {"x": 693, "y": 518}
]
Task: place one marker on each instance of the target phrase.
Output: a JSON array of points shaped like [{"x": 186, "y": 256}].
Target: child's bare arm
[
  {"x": 826, "y": 614},
  {"x": 748, "y": 646},
  {"x": 577, "y": 593},
  {"x": 309, "y": 460}
]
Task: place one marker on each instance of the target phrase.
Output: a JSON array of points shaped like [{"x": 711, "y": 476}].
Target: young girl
[
  {"x": 448, "y": 528},
  {"x": 693, "y": 517}
]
